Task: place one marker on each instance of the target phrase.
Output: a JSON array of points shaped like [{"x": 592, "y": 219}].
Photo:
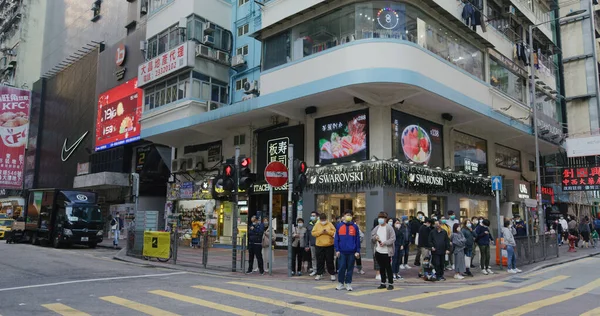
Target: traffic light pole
[
  {"x": 234, "y": 208},
  {"x": 290, "y": 209}
]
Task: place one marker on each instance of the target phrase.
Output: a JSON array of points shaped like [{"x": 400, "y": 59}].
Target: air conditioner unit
[
  {"x": 251, "y": 87},
  {"x": 175, "y": 165},
  {"x": 144, "y": 9},
  {"x": 238, "y": 61},
  {"x": 143, "y": 45},
  {"x": 204, "y": 51},
  {"x": 209, "y": 28},
  {"x": 223, "y": 57},
  {"x": 209, "y": 40},
  {"x": 213, "y": 106},
  {"x": 510, "y": 10},
  {"x": 194, "y": 163}
]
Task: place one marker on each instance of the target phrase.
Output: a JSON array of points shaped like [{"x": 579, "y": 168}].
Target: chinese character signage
[
  {"x": 417, "y": 140},
  {"x": 342, "y": 138},
  {"x": 470, "y": 153},
  {"x": 14, "y": 126},
  {"x": 166, "y": 63},
  {"x": 581, "y": 179},
  {"x": 273, "y": 145},
  {"x": 119, "y": 112},
  {"x": 278, "y": 150}
]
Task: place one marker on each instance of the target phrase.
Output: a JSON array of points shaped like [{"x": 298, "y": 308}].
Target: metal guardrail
[{"x": 536, "y": 248}]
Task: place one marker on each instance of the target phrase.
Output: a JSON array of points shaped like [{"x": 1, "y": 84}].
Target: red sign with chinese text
[
  {"x": 119, "y": 113},
  {"x": 14, "y": 127},
  {"x": 547, "y": 194},
  {"x": 581, "y": 179}
]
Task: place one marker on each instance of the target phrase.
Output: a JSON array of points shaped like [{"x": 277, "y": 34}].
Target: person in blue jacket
[
  {"x": 347, "y": 249},
  {"x": 484, "y": 239}
]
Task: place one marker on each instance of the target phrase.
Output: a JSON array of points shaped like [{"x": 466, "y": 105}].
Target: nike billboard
[
  {"x": 14, "y": 126},
  {"x": 119, "y": 112}
]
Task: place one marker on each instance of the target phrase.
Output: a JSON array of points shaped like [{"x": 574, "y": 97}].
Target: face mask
[
  {"x": 348, "y": 219},
  {"x": 300, "y": 224},
  {"x": 443, "y": 221},
  {"x": 469, "y": 225},
  {"x": 475, "y": 222},
  {"x": 323, "y": 222},
  {"x": 452, "y": 217},
  {"x": 405, "y": 222},
  {"x": 420, "y": 217},
  {"x": 381, "y": 221},
  {"x": 266, "y": 224},
  {"x": 397, "y": 226},
  {"x": 518, "y": 221},
  {"x": 312, "y": 218}
]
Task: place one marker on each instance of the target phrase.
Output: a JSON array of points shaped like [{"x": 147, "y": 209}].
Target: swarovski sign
[
  {"x": 424, "y": 179},
  {"x": 353, "y": 176}
]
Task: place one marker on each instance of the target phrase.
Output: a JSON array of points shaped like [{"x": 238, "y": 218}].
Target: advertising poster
[
  {"x": 14, "y": 127},
  {"x": 470, "y": 153},
  {"x": 417, "y": 140},
  {"x": 119, "y": 112},
  {"x": 342, "y": 137}
]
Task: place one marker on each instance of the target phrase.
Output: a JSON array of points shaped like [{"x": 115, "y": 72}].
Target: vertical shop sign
[
  {"x": 14, "y": 126},
  {"x": 277, "y": 150}
]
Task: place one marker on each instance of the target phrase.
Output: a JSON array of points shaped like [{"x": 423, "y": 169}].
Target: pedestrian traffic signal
[
  {"x": 299, "y": 175},
  {"x": 246, "y": 180},
  {"x": 227, "y": 181}
]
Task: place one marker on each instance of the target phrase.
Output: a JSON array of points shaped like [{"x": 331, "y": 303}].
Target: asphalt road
[{"x": 45, "y": 281}]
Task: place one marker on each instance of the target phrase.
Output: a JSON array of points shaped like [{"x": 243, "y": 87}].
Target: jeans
[
  {"x": 485, "y": 256},
  {"x": 297, "y": 254},
  {"x": 116, "y": 234},
  {"x": 438, "y": 264},
  {"x": 346, "y": 266},
  {"x": 396, "y": 261},
  {"x": 255, "y": 250},
  {"x": 385, "y": 267},
  {"x": 325, "y": 256},
  {"x": 405, "y": 254},
  {"x": 512, "y": 257}
]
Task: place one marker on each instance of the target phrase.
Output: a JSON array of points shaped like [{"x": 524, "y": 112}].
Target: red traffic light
[
  {"x": 245, "y": 162},
  {"x": 228, "y": 171},
  {"x": 302, "y": 167}
]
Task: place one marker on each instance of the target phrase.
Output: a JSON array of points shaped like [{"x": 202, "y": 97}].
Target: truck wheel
[
  {"x": 56, "y": 242},
  {"x": 92, "y": 245}
]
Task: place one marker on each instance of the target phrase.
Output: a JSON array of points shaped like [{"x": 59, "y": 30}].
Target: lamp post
[{"x": 535, "y": 123}]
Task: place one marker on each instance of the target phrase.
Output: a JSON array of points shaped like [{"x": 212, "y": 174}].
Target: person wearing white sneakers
[
  {"x": 458, "y": 242},
  {"x": 484, "y": 239},
  {"x": 324, "y": 231},
  {"x": 347, "y": 250},
  {"x": 508, "y": 241},
  {"x": 405, "y": 231}
]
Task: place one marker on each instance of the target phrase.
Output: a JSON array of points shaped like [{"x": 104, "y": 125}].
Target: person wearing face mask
[
  {"x": 467, "y": 231},
  {"x": 565, "y": 229},
  {"x": 265, "y": 243},
  {"x": 520, "y": 237},
  {"x": 484, "y": 239},
  {"x": 255, "y": 237},
  {"x": 312, "y": 264},
  {"x": 452, "y": 219},
  {"x": 405, "y": 229},
  {"x": 448, "y": 230},
  {"x": 384, "y": 237},
  {"x": 440, "y": 247},
  {"x": 458, "y": 244},
  {"x": 415, "y": 225},
  {"x": 324, "y": 231},
  {"x": 347, "y": 250},
  {"x": 475, "y": 223},
  {"x": 423, "y": 239},
  {"x": 398, "y": 247},
  {"x": 299, "y": 242}
]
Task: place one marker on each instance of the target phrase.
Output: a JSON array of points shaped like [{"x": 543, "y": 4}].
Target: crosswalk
[{"x": 241, "y": 297}]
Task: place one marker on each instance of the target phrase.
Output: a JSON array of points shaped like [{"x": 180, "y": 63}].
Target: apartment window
[
  {"x": 208, "y": 89},
  {"x": 196, "y": 26},
  {"x": 239, "y": 140},
  {"x": 239, "y": 84},
  {"x": 508, "y": 158},
  {"x": 242, "y": 2},
  {"x": 155, "y": 5},
  {"x": 164, "y": 41},
  {"x": 242, "y": 50},
  {"x": 167, "y": 91},
  {"x": 506, "y": 81},
  {"x": 242, "y": 30}
]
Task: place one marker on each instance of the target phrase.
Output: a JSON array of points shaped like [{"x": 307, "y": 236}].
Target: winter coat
[
  {"x": 424, "y": 236},
  {"x": 507, "y": 235},
  {"x": 255, "y": 233},
  {"x": 483, "y": 239},
  {"x": 399, "y": 238},
  {"x": 265, "y": 240},
  {"x": 391, "y": 238},
  {"x": 323, "y": 239},
  {"x": 302, "y": 239},
  {"x": 440, "y": 241},
  {"x": 459, "y": 242},
  {"x": 469, "y": 238},
  {"x": 347, "y": 238},
  {"x": 405, "y": 230}
]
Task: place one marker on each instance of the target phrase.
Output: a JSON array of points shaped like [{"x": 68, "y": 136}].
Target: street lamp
[{"x": 535, "y": 123}]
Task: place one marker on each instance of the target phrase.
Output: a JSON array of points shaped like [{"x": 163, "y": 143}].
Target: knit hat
[{"x": 404, "y": 217}]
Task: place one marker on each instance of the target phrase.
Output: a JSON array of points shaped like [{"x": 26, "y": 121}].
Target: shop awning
[{"x": 101, "y": 180}]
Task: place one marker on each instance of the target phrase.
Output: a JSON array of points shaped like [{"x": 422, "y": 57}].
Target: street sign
[
  {"x": 276, "y": 174},
  {"x": 497, "y": 183}
]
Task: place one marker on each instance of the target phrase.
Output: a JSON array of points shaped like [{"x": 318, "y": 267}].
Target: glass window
[
  {"x": 470, "y": 153},
  {"x": 196, "y": 90},
  {"x": 276, "y": 50},
  {"x": 206, "y": 93},
  {"x": 547, "y": 103},
  {"x": 173, "y": 37},
  {"x": 410, "y": 205},
  {"x": 508, "y": 158},
  {"x": 242, "y": 50},
  {"x": 243, "y": 30},
  {"x": 155, "y": 5},
  {"x": 470, "y": 208},
  {"x": 198, "y": 30},
  {"x": 152, "y": 47},
  {"x": 163, "y": 42},
  {"x": 239, "y": 84},
  {"x": 506, "y": 81}
]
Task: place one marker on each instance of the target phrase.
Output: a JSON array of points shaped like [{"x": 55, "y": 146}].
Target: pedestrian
[
  {"x": 565, "y": 229},
  {"x": 374, "y": 245},
  {"x": 440, "y": 248},
  {"x": 423, "y": 240},
  {"x": 521, "y": 237},
  {"x": 448, "y": 259},
  {"x": 324, "y": 231},
  {"x": 359, "y": 267},
  {"x": 484, "y": 239},
  {"x": 195, "y": 232},
  {"x": 347, "y": 249},
  {"x": 116, "y": 224},
  {"x": 255, "y": 238},
  {"x": 508, "y": 242},
  {"x": 384, "y": 238},
  {"x": 314, "y": 217},
  {"x": 415, "y": 226},
  {"x": 585, "y": 231},
  {"x": 266, "y": 248},
  {"x": 452, "y": 219},
  {"x": 398, "y": 247},
  {"x": 405, "y": 229},
  {"x": 572, "y": 225},
  {"x": 458, "y": 245},
  {"x": 299, "y": 242},
  {"x": 467, "y": 231}
]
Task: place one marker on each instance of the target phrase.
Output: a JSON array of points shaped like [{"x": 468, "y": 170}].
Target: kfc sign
[
  {"x": 581, "y": 179},
  {"x": 14, "y": 127},
  {"x": 167, "y": 63},
  {"x": 119, "y": 112}
]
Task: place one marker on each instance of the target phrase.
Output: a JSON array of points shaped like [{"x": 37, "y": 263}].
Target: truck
[{"x": 63, "y": 217}]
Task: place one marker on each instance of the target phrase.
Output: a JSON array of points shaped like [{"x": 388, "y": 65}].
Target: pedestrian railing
[{"x": 536, "y": 248}]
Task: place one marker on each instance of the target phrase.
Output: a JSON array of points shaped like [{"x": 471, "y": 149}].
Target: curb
[{"x": 563, "y": 262}]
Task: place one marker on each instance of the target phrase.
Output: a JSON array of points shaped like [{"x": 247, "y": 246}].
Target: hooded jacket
[
  {"x": 323, "y": 239},
  {"x": 347, "y": 238}
]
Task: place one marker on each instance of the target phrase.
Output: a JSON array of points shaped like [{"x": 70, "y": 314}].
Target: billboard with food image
[
  {"x": 14, "y": 128},
  {"x": 417, "y": 140},
  {"x": 342, "y": 137},
  {"x": 119, "y": 111}
]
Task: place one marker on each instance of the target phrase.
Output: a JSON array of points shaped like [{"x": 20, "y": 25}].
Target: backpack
[{"x": 113, "y": 223}]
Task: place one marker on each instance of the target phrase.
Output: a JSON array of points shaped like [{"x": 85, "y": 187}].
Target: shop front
[{"x": 12, "y": 204}]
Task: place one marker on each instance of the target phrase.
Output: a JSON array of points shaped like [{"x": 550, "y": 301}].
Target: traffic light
[
  {"x": 227, "y": 178},
  {"x": 246, "y": 178},
  {"x": 299, "y": 175}
]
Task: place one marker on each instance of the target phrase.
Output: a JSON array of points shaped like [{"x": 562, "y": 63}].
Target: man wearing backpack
[{"x": 115, "y": 225}]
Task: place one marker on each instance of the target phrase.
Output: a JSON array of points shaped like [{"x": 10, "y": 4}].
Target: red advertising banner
[
  {"x": 581, "y": 179},
  {"x": 14, "y": 126},
  {"x": 119, "y": 113}
]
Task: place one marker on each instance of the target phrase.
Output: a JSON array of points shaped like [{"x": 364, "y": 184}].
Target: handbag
[{"x": 467, "y": 261}]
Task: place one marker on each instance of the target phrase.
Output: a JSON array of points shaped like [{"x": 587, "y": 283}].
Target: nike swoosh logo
[{"x": 69, "y": 151}]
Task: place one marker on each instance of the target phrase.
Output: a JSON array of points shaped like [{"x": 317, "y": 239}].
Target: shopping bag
[
  {"x": 417, "y": 239},
  {"x": 467, "y": 261}
]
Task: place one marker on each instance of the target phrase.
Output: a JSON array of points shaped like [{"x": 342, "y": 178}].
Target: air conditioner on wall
[
  {"x": 238, "y": 61},
  {"x": 175, "y": 165},
  {"x": 251, "y": 87},
  {"x": 144, "y": 9},
  {"x": 195, "y": 163},
  {"x": 209, "y": 40},
  {"x": 213, "y": 106},
  {"x": 223, "y": 57},
  {"x": 204, "y": 51},
  {"x": 209, "y": 28},
  {"x": 510, "y": 10}
]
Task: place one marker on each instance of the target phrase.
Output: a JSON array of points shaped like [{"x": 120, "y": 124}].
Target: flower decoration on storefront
[{"x": 371, "y": 174}]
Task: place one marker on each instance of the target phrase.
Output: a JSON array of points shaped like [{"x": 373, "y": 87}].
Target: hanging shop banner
[
  {"x": 581, "y": 179},
  {"x": 119, "y": 113},
  {"x": 14, "y": 126},
  {"x": 417, "y": 140},
  {"x": 167, "y": 63},
  {"x": 200, "y": 190},
  {"x": 342, "y": 138},
  {"x": 273, "y": 145}
]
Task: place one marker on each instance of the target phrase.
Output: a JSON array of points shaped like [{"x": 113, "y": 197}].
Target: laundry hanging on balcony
[{"x": 471, "y": 15}]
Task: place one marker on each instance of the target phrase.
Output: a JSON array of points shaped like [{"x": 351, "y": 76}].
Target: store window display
[
  {"x": 470, "y": 208},
  {"x": 334, "y": 205}
]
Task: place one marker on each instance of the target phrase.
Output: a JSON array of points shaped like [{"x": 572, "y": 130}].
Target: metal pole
[
  {"x": 290, "y": 203},
  {"x": 271, "y": 230},
  {"x": 234, "y": 209},
  {"x": 538, "y": 197},
  {"x": 499, "y": 225}
]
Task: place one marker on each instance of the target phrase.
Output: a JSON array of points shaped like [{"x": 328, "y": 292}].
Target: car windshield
[
  {"x": 5, "y": 222},
  {"x": 84, "y": 213}
]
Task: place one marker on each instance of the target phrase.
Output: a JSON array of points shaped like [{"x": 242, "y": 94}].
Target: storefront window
[
  {"x": 378, "y": 19},
  {"x": 506, "y": 81},
  {"x": 411, "y": 204},
  {"x": 470, "y": 208},
  {"x": 470, "y": 153},
  {"x": 508, "y": 158},
  {"x": 336, "y": 204}
]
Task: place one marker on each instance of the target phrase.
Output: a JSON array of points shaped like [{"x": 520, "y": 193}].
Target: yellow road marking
[
  {"x": 451, "y": 291},
  {"x": 593, "y": 312},
  {"x": 265, "y": 300},
  {"x": 373, "y": 291},
  {"x": 64, "y": 310},
  {"x": 533, "y": 306},
  {"x": 329, "y": 300},
  {"x": 197, "y": 301},
  {"x": 326, "y": 287},
  {"x": 479, "y": 299},
  {"x": 146, "y": 309}
]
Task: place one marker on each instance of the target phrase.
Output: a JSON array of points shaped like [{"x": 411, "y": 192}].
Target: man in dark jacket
[
  {"x": 520, "y": 237},
  {"x": 347, "y": 250},
  {"x": 415, "y": 225},
  {"x": 312, "y": 240},
  {"x": 423, "y": 240},
  {"x": 440, "y": 247},
  {"x": 484, "y": 238},
  {"x": 255, "y": 235}
]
